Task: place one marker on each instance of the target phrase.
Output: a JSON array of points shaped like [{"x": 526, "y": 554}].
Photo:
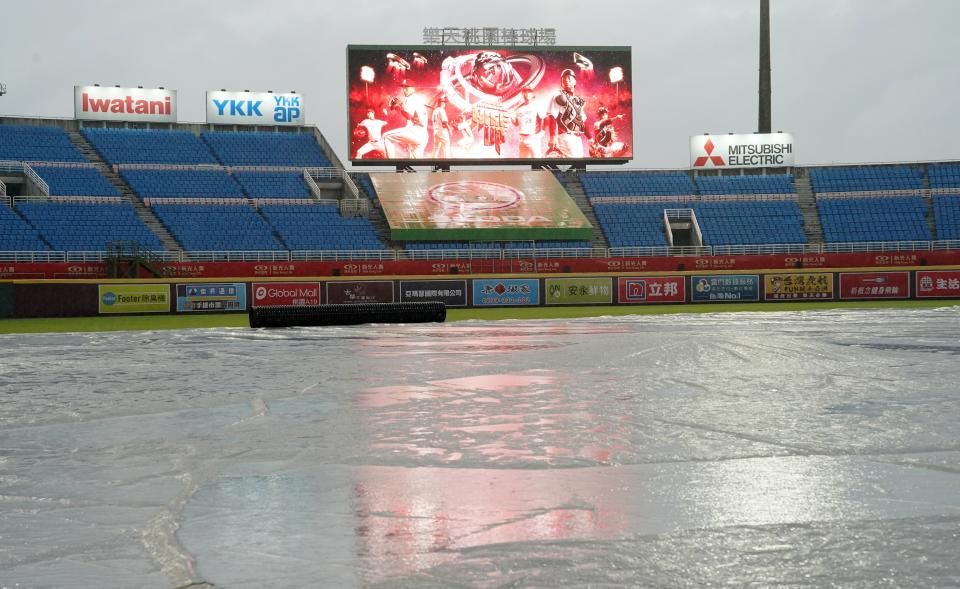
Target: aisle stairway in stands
[
  {"x": 143, "y": 213},
  {"x": 928, "y": 198},
  {"x": 575, "y": 189},
  {"x": 808, "y": 206},
  {"x": 376, "y": 216}
]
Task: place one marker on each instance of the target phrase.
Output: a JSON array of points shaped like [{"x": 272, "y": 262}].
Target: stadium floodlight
[{"x": 3, "y": 88}]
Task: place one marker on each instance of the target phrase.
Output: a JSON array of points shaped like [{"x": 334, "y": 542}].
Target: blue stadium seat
[
  {"x": 892, "y": 218},
  {"x": 148, "y": 146},
  {"x": 944, "y": 175},
  {"x": 320, "y": 227},
  {"x": 217, "y": 227},
  {"x": 26, "y": 143},
  {"x": 637, "y": 184},
  {"x": 772, "y": 184},
  {"x": 69, "y": 226},
  {"x": 252, "y": 148},
  {"x": 76, "y": 181},
  {"x": 750, "y": 222},
  {"x": 16, "y": 235},
  {"x": 865, "y": 178},
  {"x": 197, "y": 183},
  {"x": 946, "y": 214},
  {"x": 272, "y": 184}
]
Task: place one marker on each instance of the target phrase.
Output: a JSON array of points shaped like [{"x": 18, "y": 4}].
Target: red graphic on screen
[{"x": 504, "y": 104}]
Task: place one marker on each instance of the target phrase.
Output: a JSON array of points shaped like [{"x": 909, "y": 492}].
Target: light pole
[{"x": 764, "y": 125}]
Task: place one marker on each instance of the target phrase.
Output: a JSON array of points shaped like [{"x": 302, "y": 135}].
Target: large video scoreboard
[{"x": 440, "y": 105}]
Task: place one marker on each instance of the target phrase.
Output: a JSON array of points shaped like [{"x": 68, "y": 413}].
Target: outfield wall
[{"x": 21, "y": 299}]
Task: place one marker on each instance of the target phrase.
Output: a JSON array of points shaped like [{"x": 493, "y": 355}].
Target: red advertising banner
[
  {"x": 938, "y": 283},
  {"x": 285, "y": 294},
  {"x": 359, "y": 292},
  {"x": 652, "y": 289},
  {"x": 874, "y": 285}
]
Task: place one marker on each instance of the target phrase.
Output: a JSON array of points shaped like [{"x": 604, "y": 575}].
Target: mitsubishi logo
[{"x": 715, "y": 159}]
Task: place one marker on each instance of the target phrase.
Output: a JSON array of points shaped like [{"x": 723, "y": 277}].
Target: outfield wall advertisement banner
[
  {"x": 651, "y": 289},
  {"x": 938, "y": 283},
  {"x": 133, "y": 298},
  {"x": 453, "y": 293},
  {"x": 874, "y": 285},
  {"x": 219, "y": 297},
  {"x": 285, "y": 294},
  {"x": 469, "y": 205},
  {"x": 360, "y": 292},
  {"x": 578, "y": 291},
  {"x": 143, "y": 105},
  {"x": 732, "y": 287},
  {"x": 798, "y": 287},
  {"x": 254, "y": 108},
  {"x": 507, "y": 292},
  {"x": 489, "y": 104},
  {"x": 757, "y": 150}
]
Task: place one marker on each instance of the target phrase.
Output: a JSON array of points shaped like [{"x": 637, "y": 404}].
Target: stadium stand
[
  {"x": 637, "y": 184},
  {"x": 771, "y": 184},
  {"x": 946, "y": 214},
  {"x": 864, "y": 219},
  {"x": 494, "y": 245},
  {"x": 85, "y": 226},
  {"x": 944, "y": 176},
  {"x": 16, "y": 235},
  {"x": 257, "y": 184},
  {"x": 254, "y": 148},
  {"x": 75, "y": 181},
  {"x": 750, "y": 222},
  {"x": 218, "y": 227},
  {"x": 143, "y": 146},
  {"x": 26, "y": 143},
  {"x": 192, "y": 183},
  {"x": 320, "y": 227},
  {"x": 865, "y": 178},
  {"x": 634, "y": 224}
]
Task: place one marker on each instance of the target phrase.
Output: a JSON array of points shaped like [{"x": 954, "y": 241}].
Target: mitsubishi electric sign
[
  {"x": 142, "y": 105},
  {"x": 254, "y": 108},
  {"x": 772, "y": 150}
]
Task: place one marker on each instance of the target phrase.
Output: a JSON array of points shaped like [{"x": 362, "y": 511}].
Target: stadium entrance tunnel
[{"x": 348, "y": 314}]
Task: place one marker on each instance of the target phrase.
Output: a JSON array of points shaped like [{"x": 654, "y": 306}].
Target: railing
[
  {"x": 71, "y": 199},
  {"x": 493, "y": 254},
  {"x": 355, "y": 208},
  {"x": 314, "y": 189},
  {"x": 25, "y": 169},
  {"x": 922, "y": 192},
  {"x": 177, "y": 167}
]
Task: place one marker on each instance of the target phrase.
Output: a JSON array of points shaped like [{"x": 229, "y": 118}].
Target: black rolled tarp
[{"x": 347, "y": 314}]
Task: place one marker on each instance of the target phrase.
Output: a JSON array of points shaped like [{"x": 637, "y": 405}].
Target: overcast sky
[{"x": 853, "y": 80}]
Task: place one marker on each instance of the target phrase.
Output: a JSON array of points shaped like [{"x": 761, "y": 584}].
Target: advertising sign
[
  {"x": 737, "y": 287},
  {"x": 453, "y": 293},
  {"x": 756, "y": 150},
  {"x": 359, "y": 292},
  {"x": 231, "y": 296},
  {"x": 651, "y": 289},
  {"x": 874, "y": 285},
  {"x": 143, "y": 105},
  {"x": 254, "y": 108},
  {"x": 798, "y": 287},
  {"x": 578, "y": 291},
  {"x": 938, "y": 283},
  {"x": 489, "y": 104},
  {"x": 134, "y": 298},
  {"x": 507, "y": 205},
  {"x": 510, "y": 292},
  {"x": 285, "y": 294}
]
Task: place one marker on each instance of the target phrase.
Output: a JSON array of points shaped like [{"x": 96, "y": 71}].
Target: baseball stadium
[{"x": 465, "y": 337}]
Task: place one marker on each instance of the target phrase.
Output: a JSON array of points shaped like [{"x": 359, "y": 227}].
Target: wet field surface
[{"x": 806, "y": 449}]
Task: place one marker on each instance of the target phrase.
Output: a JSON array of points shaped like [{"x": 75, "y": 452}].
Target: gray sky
[{"x": 853, "y": 80}]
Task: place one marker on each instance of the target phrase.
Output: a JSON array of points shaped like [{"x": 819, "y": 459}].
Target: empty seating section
[
  {"x": 634, "y": 224},
  {"x": 87, "y": 226},
  {"x": 637, "y": 184},
  {"x": 946, "y": 214},
  {"x": 320, "y": 227},
  {"x": 71, "y": 181},
  {"x": 750, "y": 222},
  {"x": 142, "y": 146},
  {"x": 364, "y": 182},
  {"x": 249, "y": 148},
  {"x": 16, "y": 235},
  {"x": 495, "y": 245},
  {"x": 772, "y": 184},
  {"x": 37, "y": 144},
  {"x": 891, "y": 218},
  {"x": 865, "y": 178},
  {"x": 273, "y": 184},
  {"x": 198, "y": 183},
  {"x": 217, "y": 227},
  {"x": 944, "y": 175}
]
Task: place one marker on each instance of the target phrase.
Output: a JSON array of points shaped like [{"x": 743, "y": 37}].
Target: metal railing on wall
[{"x": 25, "y": 169}]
